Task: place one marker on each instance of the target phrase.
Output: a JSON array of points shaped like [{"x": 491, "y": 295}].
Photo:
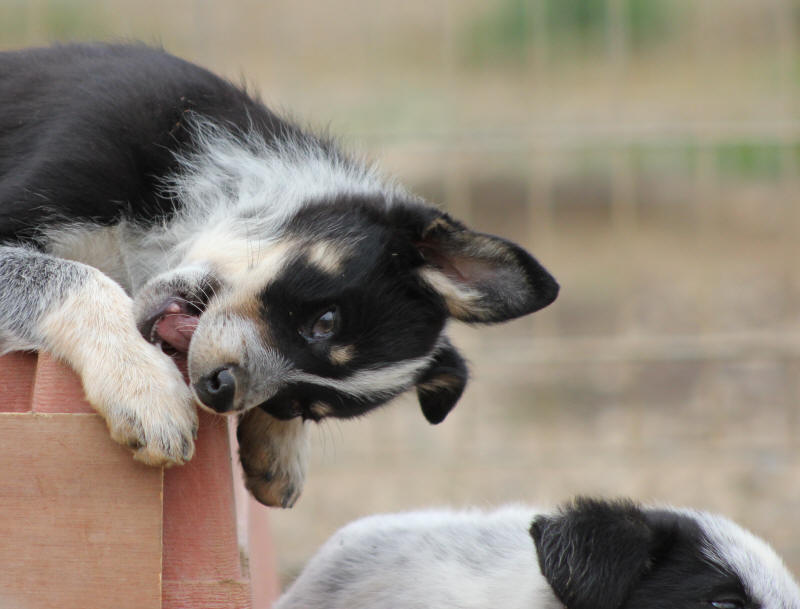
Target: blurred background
[{"x": 646, "y": 151}]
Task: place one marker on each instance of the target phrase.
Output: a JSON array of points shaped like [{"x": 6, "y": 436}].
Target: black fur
[
  {"x": 441, "y": 386},
  {"x": 598, "y": 554},
  {"x": 87, "y": 131}
]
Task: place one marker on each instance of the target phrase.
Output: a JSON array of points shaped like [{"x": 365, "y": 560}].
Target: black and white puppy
[
  {"x": 153, "y": 214},
  {"x": 591, "y": 554}
]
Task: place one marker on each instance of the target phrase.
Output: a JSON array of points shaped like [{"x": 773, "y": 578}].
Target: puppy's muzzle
[
  {"x": 217, "y": 390},
  {"x": 232, "y": 368}
]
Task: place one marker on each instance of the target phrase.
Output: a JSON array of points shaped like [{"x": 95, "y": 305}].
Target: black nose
[{"x": 216, "y": 390}]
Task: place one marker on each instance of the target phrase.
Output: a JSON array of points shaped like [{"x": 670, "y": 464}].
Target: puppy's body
[
  {"x": 432, "y": 558},
  {"x": 153, "y": 214},
  {"x": 589, "y": 555}
]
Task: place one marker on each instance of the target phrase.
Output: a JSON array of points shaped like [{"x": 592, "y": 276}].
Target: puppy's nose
[{"x": 216, "y": 390}]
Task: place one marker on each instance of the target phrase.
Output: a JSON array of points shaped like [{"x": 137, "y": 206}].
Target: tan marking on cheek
[
  {"x": 246, "y": 283},
  {"x": 342, "y": 355},
  {"x": 445, "y": 382},
  {"x": 321, "y": 409},
  {"x": 240, "y": 302},
  {"x": 328, "y": 256}
]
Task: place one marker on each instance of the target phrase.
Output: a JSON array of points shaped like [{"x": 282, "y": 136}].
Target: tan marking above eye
[
  {"x": 328, "y": 256},
  {"x": 342, "y": 355}
]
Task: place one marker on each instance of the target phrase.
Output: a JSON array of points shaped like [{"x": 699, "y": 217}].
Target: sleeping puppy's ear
[
  {"x": 593, "y": 553},
  {"x": 481, "y": 278},
  {"x": 441, "y": 385}
]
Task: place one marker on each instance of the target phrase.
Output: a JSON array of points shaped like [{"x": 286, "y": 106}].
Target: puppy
[
  {"x": 590, "y": 554},
  {"x": 158, "y": 225}
]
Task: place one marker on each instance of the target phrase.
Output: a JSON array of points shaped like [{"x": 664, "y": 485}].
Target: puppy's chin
[
  {"x": 286, "y": 408},
  {"x": 298, "y": 402}
]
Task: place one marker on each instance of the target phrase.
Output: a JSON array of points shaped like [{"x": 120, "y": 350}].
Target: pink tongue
[{"x": 176, "y": 328}]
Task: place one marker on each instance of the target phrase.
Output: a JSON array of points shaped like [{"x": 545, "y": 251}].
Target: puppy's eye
[
  {"x": 322, "y": 326},
  {"x": 727, "y": 603}
]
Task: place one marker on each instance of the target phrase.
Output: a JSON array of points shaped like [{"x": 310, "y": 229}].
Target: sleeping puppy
[
  {"x": 160, "y": 225},
  {"x": 590, "y": 554}
]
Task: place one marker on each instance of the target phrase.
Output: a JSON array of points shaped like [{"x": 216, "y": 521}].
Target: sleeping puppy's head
[
  {"x": 317, "y": 290},
  {"x": 617, "y": 555}
]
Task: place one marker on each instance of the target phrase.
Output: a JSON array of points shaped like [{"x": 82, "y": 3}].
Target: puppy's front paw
[
  {"x": 146, "y": 404},
  {"x": 273, "y": 455}
]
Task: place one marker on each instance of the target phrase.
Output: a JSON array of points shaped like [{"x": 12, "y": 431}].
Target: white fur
[
  {"x": 436, "y": 558},
  {"x": 761, "y": 569},
  {"x": 248, "y": 187},
  {"x": 371, "y": 383},
  {"x": 236, "y": 193}
]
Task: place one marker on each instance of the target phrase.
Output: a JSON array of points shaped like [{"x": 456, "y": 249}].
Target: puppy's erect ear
[
  {"x": 441, "y": 385},
  {"x": 482, "y": 278},
  {"x": 594, "y": 552}
]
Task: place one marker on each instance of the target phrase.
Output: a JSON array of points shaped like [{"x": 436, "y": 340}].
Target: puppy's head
[
  {"x": 617, "y": 555},
  {"x": 341, "y": 309}
]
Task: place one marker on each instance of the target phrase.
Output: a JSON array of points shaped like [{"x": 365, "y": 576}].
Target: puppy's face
[{"x": 339, "y": 312}]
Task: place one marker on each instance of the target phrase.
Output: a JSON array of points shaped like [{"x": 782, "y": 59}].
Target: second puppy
[{"x": 590, "y": 554}]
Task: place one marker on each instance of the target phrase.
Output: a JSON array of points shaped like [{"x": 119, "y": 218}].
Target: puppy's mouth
[{"x": 171, "y": 329}]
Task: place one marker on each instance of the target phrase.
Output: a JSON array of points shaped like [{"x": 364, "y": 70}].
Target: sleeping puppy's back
[
  {"x": 433, "y": 558},
  {"x": 589, "y": 554}
]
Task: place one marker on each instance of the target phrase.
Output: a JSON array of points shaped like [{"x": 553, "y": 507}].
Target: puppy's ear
[
  {"x": 274, "y": 456},
  {"x": 441, "y": 385},
  {"x": 593, "y": 553},
  {"x": 481, "y": 278}
]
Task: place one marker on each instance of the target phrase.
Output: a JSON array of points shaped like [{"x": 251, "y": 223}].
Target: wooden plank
[
  {"x": 201, "y": 550},
  {"x": 255, "y": 535},
  {"x": 57, "y": 388},
  {"x": 207, "y": 595},
  {"x": 81, "y": 520},
  {"x": 263, "y": 562},
  {"x": 16, "y": 381}
]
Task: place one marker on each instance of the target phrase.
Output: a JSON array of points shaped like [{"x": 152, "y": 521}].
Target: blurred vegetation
[
  {"x": 744, "y": 159},
  {"x": 507, "y": 31},
  {"x": 760, "y": 160},
  {"x": 61, "y": 20},
  {"x": 498, "y": 37}
]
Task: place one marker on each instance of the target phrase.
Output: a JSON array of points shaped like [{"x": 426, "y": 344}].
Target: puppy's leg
[
  {"x": 84, "y": 318},
  {"x": 274, "y": 455}
]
